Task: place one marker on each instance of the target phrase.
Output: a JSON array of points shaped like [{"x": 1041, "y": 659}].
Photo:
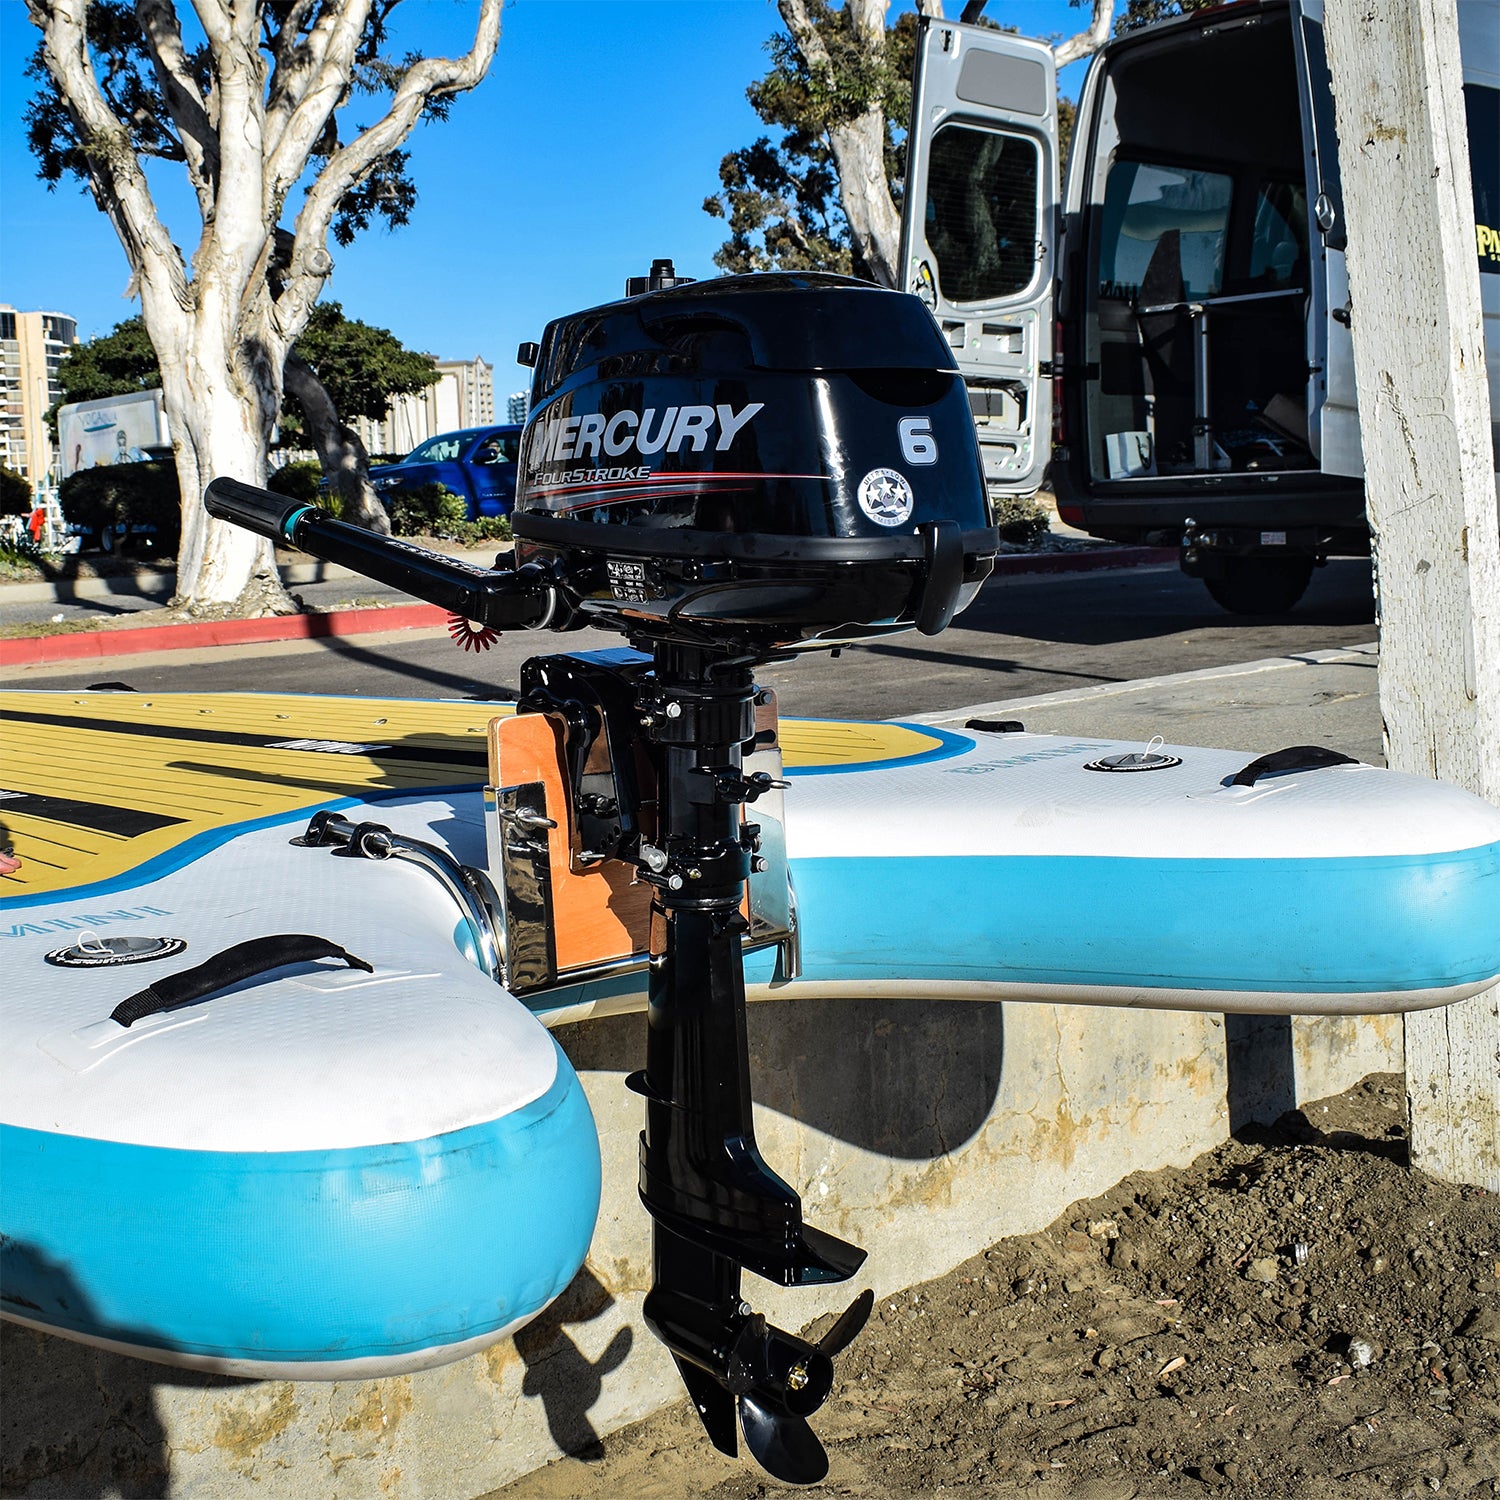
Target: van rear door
[
  {"x": 1333, "y": 409},
  {"x": 978, "y": 228}
]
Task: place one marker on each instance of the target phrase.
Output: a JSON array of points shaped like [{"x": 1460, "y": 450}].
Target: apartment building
[
  {"x": 464, "y": 396},
  {"x": 32, "y": 345}
]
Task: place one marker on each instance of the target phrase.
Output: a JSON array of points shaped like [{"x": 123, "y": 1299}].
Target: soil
[{"x": 1298, "y": 1315}]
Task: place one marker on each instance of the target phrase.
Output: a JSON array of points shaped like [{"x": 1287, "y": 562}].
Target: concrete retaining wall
[{"x": 922, "y": 1131}]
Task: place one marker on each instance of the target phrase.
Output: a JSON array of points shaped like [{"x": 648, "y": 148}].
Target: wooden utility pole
[{"x": 1429, "y": 482}]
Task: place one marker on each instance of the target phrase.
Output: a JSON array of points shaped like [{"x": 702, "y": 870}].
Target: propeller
[{"x": 780, "y": 1380}]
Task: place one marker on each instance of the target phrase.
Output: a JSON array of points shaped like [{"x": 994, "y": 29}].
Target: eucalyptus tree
[
  {"x": 826, "y": 196},
  {"x": 250, "y": 99}
]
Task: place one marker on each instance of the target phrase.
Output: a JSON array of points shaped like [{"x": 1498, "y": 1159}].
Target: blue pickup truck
[{"x": 478, "y": 463}]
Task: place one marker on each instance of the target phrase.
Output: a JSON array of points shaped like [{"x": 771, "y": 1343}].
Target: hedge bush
[
  {"x": 111, "y": 495},
  {"x": 485, "y": 529},
  {"x": 15, "y": 494},
  {"x": 426, "y": 510},
  {"x": 1020, "y": 519},
  {"x": 299, "y": 481}
]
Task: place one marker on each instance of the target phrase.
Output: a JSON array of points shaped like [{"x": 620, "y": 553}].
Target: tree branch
[
  {"x": 339, "y": 448},
  {"x": 214, "y": 19},
  {"x": 303, "y": 98},
  {"x": 200, "y": 143},
  {"x": 805, "y": 34},
  {"x": 1090, "y": 41},
  {"x": 424, "y": 80},
  {"x": 868, "y": 17},
  {"x": 114, "y": 171}
]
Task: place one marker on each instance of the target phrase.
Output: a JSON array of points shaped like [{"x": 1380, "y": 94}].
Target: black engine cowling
[{"x": 790, "y": 458}]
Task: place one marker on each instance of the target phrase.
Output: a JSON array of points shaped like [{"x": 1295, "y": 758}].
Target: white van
[{"x": 1197, "y": 387}]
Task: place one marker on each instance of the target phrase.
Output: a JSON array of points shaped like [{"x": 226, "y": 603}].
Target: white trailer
[{"x": 111, "y": 430}]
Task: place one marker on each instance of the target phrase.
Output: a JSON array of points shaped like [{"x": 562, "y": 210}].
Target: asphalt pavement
[{"x": 1124, "y": 653}]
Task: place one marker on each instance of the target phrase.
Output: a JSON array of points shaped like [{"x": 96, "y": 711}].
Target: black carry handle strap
[
  {"x": 242, "y": 961},
  {"x": 1293, "y": 758}
]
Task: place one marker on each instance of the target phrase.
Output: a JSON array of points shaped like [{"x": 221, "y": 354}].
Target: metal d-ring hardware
[{"x": 470, "y": 888}]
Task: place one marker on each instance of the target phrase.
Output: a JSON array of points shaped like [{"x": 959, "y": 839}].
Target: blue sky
[{"x": 585, "y": 153}]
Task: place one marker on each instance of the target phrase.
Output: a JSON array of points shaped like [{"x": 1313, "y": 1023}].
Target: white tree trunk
[
  {"x": 858, "y": 146},
  {"x": 340, "y": 449},
  {"x": 222, "y": 333},
  {"x": 1429, "y": 482},
  {"x": 865, "y": 191},
  {"x": 220, "y": 413}
]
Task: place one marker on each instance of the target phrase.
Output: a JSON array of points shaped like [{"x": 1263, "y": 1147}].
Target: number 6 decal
[{"x": 917, "y": 442}]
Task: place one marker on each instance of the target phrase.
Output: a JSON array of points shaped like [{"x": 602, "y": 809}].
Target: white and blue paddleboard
[{"x": 331, "y": 1169}]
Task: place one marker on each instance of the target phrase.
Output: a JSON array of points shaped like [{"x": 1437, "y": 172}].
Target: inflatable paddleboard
[{"x": 369, "y": 1156}]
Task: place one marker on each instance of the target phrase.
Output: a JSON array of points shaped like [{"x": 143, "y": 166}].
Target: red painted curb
[
  {"x": 128, "y": 642},
  {"x": 95, "y": 644}
]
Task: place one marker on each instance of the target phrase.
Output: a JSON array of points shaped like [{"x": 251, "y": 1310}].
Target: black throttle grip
[
  {"x": 242, "y": 961},
  {"x": 260, "y": 511}
]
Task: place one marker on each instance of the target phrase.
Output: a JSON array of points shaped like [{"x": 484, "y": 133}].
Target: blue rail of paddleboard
[
  {"x": 302, "y": 1255},
  {"x": 1320, "y": 926}
]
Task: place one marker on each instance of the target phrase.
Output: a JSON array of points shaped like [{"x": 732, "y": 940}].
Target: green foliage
[
  {"x": 15, "y": 494},
  {"x": 1140, "y": 13},
  {"x": 1021, "y": 520},
  {"x": 114, "y": 364},
  {"x": 361, "y": 366},
  {"x": 433, "y": 510},
  {"x": 298, "y": 481},
  {"x": 18, "y": 565},
  {"x": 126, "y": 494},
  {"x": 781, "y": 197},
  {"x": 131, "y": 87},
  {"x": 480, "y": 530},
  {"x": 426, "y": 510}
]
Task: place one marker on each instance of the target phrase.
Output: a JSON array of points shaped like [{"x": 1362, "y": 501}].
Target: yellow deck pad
[{"x": 93, "y": 785}]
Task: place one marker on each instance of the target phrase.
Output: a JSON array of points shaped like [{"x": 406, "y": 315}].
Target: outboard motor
[
  {"x": 784, "y": 458},
  {"x": 722, "y": 471}
]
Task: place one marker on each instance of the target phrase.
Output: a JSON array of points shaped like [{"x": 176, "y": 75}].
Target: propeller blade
[
  {"x": 784, "y": 1446},
  {"x": 846, "y": 1330},
  {"x": 714, "y": 1405}
]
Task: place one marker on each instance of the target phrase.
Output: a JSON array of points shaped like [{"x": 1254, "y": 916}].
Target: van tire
[{"x": 1260, "y": 585}]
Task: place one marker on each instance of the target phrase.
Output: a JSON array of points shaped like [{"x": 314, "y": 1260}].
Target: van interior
[{"x": 1198, "y": 284}]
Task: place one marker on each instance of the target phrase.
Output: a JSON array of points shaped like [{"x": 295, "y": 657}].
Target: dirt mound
[{"x": 1295, "y": 1316}]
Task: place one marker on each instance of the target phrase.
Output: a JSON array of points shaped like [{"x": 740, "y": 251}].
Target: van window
[
  {"x": 982, "y": 219},
  {"x": 1482, "y": 105},
  {"x": 1278, "y": 239},
  {"x": 1164, "y": 226}
]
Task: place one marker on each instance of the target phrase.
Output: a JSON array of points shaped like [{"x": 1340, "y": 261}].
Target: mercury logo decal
[
  {"x": 886, "y": 497},
  {"x": 666, "y": 429}
]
